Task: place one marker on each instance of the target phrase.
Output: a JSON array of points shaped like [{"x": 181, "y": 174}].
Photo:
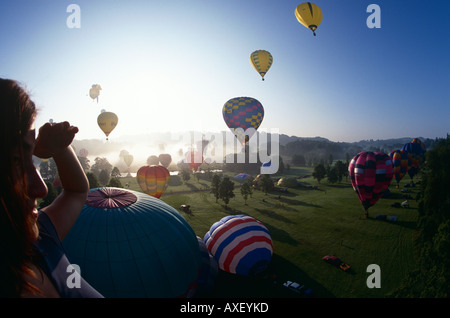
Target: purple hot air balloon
[{"x": 370, "y": 175}]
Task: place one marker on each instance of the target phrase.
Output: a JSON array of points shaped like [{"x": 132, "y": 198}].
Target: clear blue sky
[{"x": 171, "y": 65}]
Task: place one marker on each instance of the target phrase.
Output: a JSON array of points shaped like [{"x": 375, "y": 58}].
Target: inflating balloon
[
  {"x": 401, "y": 161},
  {"x": 242, "y": 113},
  {"x": 131, "y": 245},
  {"x": 94, "y": 92},
  {"x": 261, "y": 60},
  {"x": 107, "y": 121},
  {"x": 417, "y": 151},
  {"x": 240, "y": 244},
  {"x": 153, "y": 180},
  {"x": 370, "y": 175},
  {"x": 309, "y": 14}
]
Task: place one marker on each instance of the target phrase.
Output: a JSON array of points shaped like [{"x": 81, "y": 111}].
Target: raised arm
[{"x": 54, "y": 141}]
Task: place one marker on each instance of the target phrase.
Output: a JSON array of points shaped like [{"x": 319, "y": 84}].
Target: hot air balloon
[
  {"x": 309, "y": 14},
  {"x": 194, "y": 159},
  {"x": 165, "y": 159},
  {"x": 107, "y": 121},
  {"x": 261, "y": 60},
  {"x": 370, "y": 175},
  {"x": 241, "y": 245},
  {"x": 417, "y": 151},
  {"x": 129, "y": 244},
  {"x": 128, "y": 160},
  {"x": 242, "y": 113},
  {"x": 401, "y": 161},
  {"x": 153, "y": 180},
  {"x": 83, "y": 152},
  {"x": 94, "y": 92}
]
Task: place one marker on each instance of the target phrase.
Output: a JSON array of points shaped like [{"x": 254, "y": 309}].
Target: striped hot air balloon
[
  {"x": 241, "y": 244},
  {"x": 153, "y": 179},
  {"x": 370, "y": 175}
]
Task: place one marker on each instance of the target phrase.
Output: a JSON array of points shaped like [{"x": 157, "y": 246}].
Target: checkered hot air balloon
[
  {"x": 240, "y": 244},
  {"x": 417, "y": 151},
  {"x": 401, "y": 161},
  {"x": 370, "y": 175},
  {"x": 243, "y": 115},
  {"x": 261, "y": 60}
]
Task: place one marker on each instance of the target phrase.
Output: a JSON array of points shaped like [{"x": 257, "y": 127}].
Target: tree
[
  {"x": 84, "y": 161},
  {"x": 432, "y": 279},
  {"x": 93, "y": 181},
  {"x": 101, "y": 164},
  {"x": 215, "y": 185},
  {"x": 332, "y": 175},
  {"x": 341, "y": 169},
  {"x": 115, "y": 173},
  {"x": 185, "y": 175},
  {"x": 226, "y": 189},
  {"x": 48, "y": 169},
  {"x": 115, "y": 182},
  {"x": 246, "y": 190},
  {"x": 51, "y": 195},
  {"x": 103, "y": 177},
  {"x": 265, "y": 183},
  {"x": 319, "y": 172}
]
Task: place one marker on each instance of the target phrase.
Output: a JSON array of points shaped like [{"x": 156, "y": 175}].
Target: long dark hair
[{"x": 17, "y": 252}]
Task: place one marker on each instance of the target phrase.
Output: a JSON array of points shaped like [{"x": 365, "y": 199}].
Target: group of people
[{"x": 33, "y": 262}]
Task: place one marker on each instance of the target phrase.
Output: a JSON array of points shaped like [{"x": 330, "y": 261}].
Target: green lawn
[{"x": 306, "y": 224}]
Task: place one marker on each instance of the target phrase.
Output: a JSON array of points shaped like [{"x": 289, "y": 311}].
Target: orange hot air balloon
[{"x": 153, "y": 180}]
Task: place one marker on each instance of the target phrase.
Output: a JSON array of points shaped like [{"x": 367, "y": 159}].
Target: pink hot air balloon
[{"x": 370, "y": 175}]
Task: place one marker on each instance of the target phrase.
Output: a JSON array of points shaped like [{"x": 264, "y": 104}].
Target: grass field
[{"x": 305, "y": 224}]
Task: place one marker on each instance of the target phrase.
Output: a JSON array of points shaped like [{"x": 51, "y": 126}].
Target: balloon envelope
[
  {"x": 153, "y": 180},
  {"x": 309, "y": 14},
  {"x": 401, "y": 161},
  {"x": 242, "y": 113},
  {"x": 417, "y": 151},
  {"x": 261, "y": 60},
  {"x": 94, "y": 92},
  {"x": 107, "y": 121},
  {"x": 240, "y": 244},
  {"x": 129, "y": 244},
  {"x": 165, "y": 159},
  {"x": 128, "y": 159},
  {"x": 370, "y": 175}
]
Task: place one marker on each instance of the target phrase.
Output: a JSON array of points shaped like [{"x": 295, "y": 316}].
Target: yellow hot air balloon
[
  {"x": 309, "y": 14},
  {"x": 107, "y": 121},
  {"x": 261, "y": 61}
]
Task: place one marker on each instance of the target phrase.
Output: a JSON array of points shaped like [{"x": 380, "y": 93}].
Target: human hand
[{"x": 53, "y": 139}]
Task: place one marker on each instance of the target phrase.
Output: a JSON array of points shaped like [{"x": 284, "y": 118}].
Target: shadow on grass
[{"x": 268, "y": 284}]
